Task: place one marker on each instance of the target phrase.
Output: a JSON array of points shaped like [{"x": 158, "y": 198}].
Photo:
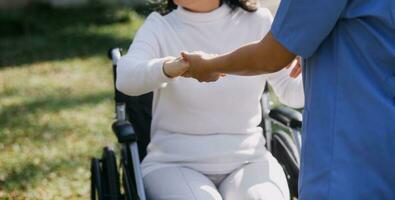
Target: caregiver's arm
[{"x": 265, "y": 56}]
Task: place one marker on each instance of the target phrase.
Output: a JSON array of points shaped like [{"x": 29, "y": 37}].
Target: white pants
[{"x": 264, "y": 180}]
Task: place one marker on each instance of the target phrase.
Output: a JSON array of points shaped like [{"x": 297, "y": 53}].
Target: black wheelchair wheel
[
  {"x": 111, "y": 175},
  {"x": 285, "y": 151},
  {"x": 96, "y": 182}
]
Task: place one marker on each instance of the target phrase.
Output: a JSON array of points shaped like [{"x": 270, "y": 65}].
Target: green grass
[{"x": 56, "y": 96}]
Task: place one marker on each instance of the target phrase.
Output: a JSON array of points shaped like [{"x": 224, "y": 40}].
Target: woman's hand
[
  {"x": 199, "y": 66},
  {"x": 296, "y": 67},
  {"x": 175, "y": 67}
]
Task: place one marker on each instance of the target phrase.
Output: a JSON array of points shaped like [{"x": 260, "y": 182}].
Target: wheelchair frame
[{"x": 108, "y": 183}]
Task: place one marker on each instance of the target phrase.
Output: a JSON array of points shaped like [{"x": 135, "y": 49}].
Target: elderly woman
[{"x": 206, "y": 140}]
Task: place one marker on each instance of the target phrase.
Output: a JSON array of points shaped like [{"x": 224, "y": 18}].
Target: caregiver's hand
[
  {"x": 175, "y": 67},
  {"x": 199, "y": 67},
  {"x": 296, "y": 67}
]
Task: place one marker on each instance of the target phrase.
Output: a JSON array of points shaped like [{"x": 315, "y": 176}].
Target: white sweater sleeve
[
  {"x": 140, "y": 70},
  {"x": 289, "y": 90}
]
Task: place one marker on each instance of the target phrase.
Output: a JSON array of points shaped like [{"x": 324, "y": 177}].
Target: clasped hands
[
  {"x": 192, "y": 65},
  {"x": 198, "y": 65}
]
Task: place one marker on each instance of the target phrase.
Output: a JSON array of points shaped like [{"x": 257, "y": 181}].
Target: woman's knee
[
  {"x": 263, "y": 180},
  {"x": 177, "y": 183},
  {"x": 263, "y": 191}
]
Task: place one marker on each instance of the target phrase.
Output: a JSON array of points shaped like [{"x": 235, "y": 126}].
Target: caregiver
[{"x": 349, "y": 78}]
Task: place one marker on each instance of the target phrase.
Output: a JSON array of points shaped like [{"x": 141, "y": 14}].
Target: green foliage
[
  {"x": 56, "y": 96},
  {"x": 43, "y": 33}
]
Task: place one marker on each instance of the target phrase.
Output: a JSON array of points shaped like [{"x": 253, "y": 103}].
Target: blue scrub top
[{"x": 348, "y": 137}]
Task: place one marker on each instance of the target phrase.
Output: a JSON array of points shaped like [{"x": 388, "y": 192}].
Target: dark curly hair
[{"x": 166, "y": 6}]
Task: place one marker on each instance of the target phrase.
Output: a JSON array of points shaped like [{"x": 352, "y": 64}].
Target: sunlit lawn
[{"x": 56, "y": 97}]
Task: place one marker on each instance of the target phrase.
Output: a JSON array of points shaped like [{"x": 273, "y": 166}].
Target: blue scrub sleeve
[{"x": 302, "y": 25}]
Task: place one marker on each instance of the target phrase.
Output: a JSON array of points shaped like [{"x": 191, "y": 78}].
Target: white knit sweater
[{"x": 210, "y": 127}]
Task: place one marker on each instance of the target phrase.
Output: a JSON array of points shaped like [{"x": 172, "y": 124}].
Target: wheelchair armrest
[
  {"x": 287, "y": 117},
  {"x": 114, "y": 54},
  {"x": 124, "y": 131}
]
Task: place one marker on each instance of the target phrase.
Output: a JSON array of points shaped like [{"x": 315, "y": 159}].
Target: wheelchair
[{"x": 115, "y": 180}]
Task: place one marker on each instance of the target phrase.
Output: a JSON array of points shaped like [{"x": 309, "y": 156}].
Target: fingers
[
  {"x": 182, "y": 65},
  {"x": 193, "y": 56},
  {"x": 296, "y": 67},
  {"x": 296, "y": 71},
  {"x": 215, "y": 78},
  {"x": 185, "y": 56},
  {"x": 187, "y": 74},
  {"x": 206, "y": 78},
  {"x": 195, "y": 69},
  {"x": 209, "y": 78}
]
